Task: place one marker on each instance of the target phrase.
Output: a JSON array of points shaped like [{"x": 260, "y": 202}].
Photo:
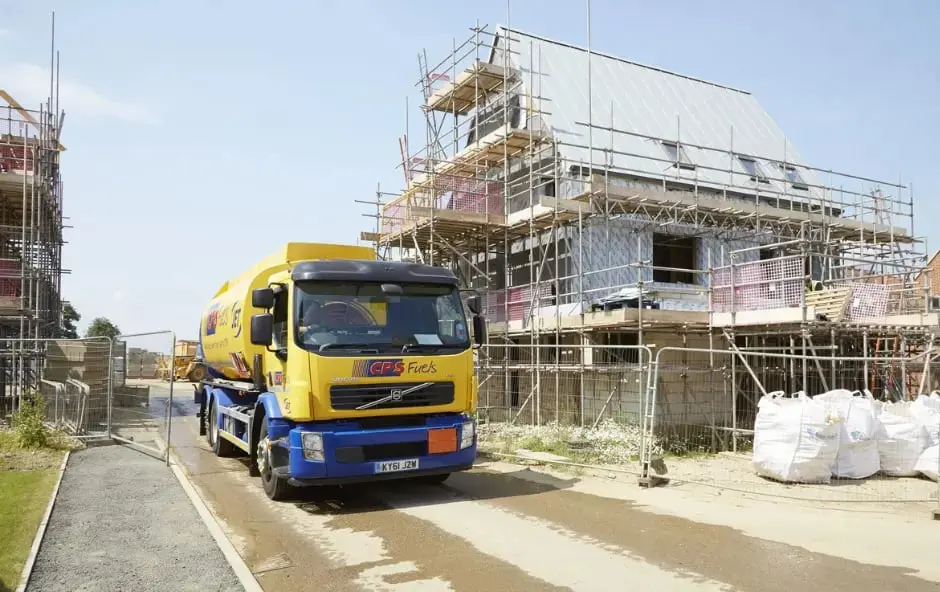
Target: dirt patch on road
[{"x": 674, "y": 543}]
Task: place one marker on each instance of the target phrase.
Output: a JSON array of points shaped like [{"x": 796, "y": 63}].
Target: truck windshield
[{"x": 342, "y": 317}]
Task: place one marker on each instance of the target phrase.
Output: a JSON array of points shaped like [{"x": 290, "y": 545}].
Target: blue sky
[{"x": 201, "y": 138}]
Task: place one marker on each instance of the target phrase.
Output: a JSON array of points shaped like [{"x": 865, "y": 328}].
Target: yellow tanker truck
[{"x": 326, "y": 366}]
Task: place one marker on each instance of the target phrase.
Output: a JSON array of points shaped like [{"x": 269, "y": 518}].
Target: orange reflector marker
[{"x": 442, "y": 441}]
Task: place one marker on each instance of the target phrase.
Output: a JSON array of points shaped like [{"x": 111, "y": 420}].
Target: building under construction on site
[
  {"x": 30, "y": 238},
  {"x": 595, "y": 202}
]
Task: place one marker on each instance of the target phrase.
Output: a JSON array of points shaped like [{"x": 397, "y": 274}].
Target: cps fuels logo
[
  {"x": 219, "y": 317},
  {"x": 212, "y": 319},
  {"x": 391, "y": 367}
]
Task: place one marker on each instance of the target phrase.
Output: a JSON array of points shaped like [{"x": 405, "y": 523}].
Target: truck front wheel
[{"x": 276, "y": 488}]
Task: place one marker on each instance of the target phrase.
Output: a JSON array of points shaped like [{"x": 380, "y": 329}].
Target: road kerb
[
  {"x": 41, "y": 532},
  {"x": 238, "y": 565},
  {"x": 242, "y": 572}
]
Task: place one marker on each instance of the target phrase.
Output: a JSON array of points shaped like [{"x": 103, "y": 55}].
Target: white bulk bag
[
  {"x": 858, "y": 449},
  {"x": 927, "y": 409},
  {"x": 929, "y": 463},
  {"x": 901, "y": 440},
  {"x": 796, "y": 440},
  {"x": 877, "y": 406}
]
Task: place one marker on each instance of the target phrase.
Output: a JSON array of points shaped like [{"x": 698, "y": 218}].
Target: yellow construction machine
[{"x": 187, "y": 366}]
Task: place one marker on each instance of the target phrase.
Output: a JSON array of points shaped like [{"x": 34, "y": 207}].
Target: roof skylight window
[
  {"x": 794, "y": 177},
  {"x": 678, "y": 155},
  {"x": 753, "y": 168}
]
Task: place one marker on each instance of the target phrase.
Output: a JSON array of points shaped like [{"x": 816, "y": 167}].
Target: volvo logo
[{"x": 394, "y": 395}]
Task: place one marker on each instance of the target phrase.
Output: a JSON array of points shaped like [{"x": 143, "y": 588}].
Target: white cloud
[{"x": 29, "y": 84}]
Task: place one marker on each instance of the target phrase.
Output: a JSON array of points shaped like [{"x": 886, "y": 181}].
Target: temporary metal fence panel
[
  {"x": 141, "y": 408},
  {"x": 703, "y": 407},
  {"x": 79, "y": 369},
  {"x": 72, "y": 375},
  {"x": 582, "y": 402}
]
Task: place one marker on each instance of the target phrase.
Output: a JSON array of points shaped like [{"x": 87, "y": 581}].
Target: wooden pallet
[
  {"x": 461, "y": 94},
  {"x": 489, "y": 152},
  {"x": 830, "y": 303}
]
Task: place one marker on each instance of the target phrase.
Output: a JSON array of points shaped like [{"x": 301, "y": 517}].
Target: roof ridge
[{"x": 619, "y": 59}]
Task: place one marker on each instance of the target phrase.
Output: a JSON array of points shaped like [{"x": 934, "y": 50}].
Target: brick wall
[{"x": 933, "y": 266}]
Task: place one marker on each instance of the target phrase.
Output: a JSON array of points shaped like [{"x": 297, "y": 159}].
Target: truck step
[{"x": 234, "y": 414}]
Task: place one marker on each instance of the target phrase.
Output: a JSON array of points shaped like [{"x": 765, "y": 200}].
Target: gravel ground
[{"x": 122, "y": 522}]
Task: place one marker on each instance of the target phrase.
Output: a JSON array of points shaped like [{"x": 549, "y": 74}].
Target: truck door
[{"x": 275, "y": 366}]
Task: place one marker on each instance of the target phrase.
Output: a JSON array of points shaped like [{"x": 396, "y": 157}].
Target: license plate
[{"x": 393, "y": 466}]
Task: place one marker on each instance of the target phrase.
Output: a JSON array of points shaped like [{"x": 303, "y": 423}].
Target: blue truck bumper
[{"x": 353, "y": 454}]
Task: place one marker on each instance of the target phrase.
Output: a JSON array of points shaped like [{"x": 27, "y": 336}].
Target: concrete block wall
[
  {"x": 693, "y": 387},
  {"x": 141, "y": 363}
]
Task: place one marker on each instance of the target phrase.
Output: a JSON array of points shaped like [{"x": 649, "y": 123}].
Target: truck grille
[
  {"x": 346, "y": 397},
  {"x": 374, "y": 452}
]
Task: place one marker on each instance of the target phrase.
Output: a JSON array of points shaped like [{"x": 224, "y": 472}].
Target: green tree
[
  {"x": 70, "y": 319},
  {"x": 102, "y": 327}
]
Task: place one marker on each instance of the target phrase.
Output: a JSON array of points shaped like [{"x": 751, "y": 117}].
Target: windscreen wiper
[
  {"x": 425, "y": 347},
  {"x": 360, "y": 346}
]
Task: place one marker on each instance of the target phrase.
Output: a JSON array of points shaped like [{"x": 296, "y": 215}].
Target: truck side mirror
[
  {"x": 473, "y": 303},
  {"x": 262, "y": 298},
  {"x": 262, "y": 328},
  {"x": 479, "y": 329}
]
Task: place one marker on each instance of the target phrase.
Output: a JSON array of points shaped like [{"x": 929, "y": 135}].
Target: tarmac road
[{"x": 498, "y": 527}]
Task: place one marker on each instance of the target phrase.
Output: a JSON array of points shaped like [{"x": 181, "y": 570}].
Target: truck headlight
[
  {"x": 312, "y": 443},
  {"x": 466, "y": 434}
]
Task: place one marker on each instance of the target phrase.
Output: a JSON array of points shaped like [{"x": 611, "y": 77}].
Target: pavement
[
  {"x": 497, "y": 527},
  {"x": 122, "y": 522}
]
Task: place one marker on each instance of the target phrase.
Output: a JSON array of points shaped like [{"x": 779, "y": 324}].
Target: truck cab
[{"x": 364, "y": 372}]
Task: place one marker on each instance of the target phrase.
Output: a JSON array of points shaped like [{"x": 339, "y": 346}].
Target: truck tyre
[
  {"x": 220, "y": 446},
  {"x": 276, "y": 488},
  {"x": 432, "y": 479}
]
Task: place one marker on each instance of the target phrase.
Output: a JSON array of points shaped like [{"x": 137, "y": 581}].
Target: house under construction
[
  {"x": 30, "y": 239},
  {"x": 596, "y": 202}
]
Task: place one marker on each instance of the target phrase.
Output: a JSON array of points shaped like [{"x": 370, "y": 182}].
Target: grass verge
[
  {"x": 13, "y": 457},
  {"x": 25, "y": 495},
  {"x": 30, "y": 455}
]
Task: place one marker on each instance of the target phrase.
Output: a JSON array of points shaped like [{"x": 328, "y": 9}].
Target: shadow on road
[{"x": 477, "y": 484}]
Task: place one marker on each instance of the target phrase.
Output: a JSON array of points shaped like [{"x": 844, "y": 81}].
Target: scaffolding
[
  {"x": 30, "y": 237},
  {"x": 570, "y": 232}
]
